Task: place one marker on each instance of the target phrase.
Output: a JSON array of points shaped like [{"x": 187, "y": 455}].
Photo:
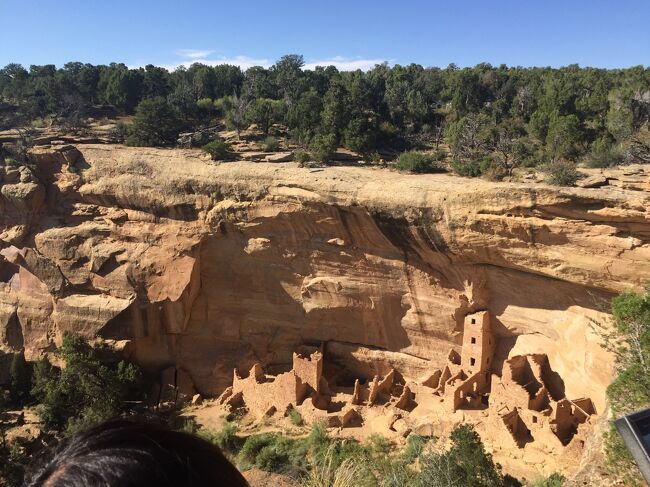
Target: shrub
[
  {"x": 254, "y": 444},
  {"x": 329, "y": 473},
  {"x": 468, "y": 168},
  {"x": 466, "y": 463},
  {"x": 13, "y": 461},
  {"x": 218, "y": 149},
  {"x": 439, "y": 156},
  {"x": 414, "y": 447},
  {"x": 156, "y": 123},
  {"x": 227, "y": 439},
  {"x": 270, "y": 144},
  {"x": 554, "y": 480},
  {"x": 302, "y": 157},
  {"x": 630, "y": 390},
  {"x": 11, "y": 162},
  {"x": 416, "y": 162},
  {"x": 378, "y": 445},
  {"x": 561, "y": 173},
  {"x": 295, "y": 417},
  {"x": 118, "y": 133},
  {"x": 317, "y": 437},
  {"x": 323, "y": 147},
  {"x": 360, "y": 135},
  {"x": 20, "y": 379},
  {"x": 85, "y": 391},
  {"x": 604, "y": 154},
  {"x": 373, "y": 157},
  {"x": 272, "y": 452},
  {"x": 271, "y": 459},
  {"x": 206, "y": 109}
]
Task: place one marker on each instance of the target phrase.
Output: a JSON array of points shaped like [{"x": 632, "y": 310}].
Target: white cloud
[
  {"x": 346, "y": 64},
  {"x": 191, "y": 56},
  {"x": 193, "y": 53},
  {"x": 244, "y": 62}
]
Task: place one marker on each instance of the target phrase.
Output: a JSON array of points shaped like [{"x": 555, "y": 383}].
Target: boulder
[{"x": 280, "y": 157}]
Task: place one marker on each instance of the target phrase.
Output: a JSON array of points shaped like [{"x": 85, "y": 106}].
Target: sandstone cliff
[{"x": 180, "y": 262}]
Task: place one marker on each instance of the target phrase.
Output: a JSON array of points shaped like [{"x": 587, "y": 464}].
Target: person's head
[{"x": 129, "y": 453}]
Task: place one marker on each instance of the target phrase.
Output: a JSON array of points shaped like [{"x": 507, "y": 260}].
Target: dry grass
[{"x": 326, "y": 474}]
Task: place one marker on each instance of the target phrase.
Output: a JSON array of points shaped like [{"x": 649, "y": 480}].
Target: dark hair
[{"x": 128, "y": 453}]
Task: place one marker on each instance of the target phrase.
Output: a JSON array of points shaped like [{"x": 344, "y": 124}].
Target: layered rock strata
[{"x": 177, "y": 262}]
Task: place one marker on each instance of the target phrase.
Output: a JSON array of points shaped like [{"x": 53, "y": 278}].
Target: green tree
[
  {"x": 207, "y": 110},
  {"x": 85, "y": 391},
  {"x": 508, "y": 144},
  {"x": 14, "y": 81},
  {"x": 335, "y": 113},
  {"x": 20, "y": 378},
  {"x": 465, "y": 464},
  {"x": 218, "y": 149},
  {"x": 604, "y": 153},
  {"x": 620, "y": 116},
  {"x": 289, "y": 76},
  {"x": 203, "y": 80},
  {"x": 470, "y": 142},
  {"x": 183, "y": 100},
  {"x": 228, "y": 79},
  {"x": 155, "y": 123},
  {"x": 303, "y": 117},
  {"x": 122, "y": 87},
  {"x": 360, "y": 134},
  {"x": 13, "y": 461},
  {"x": 416, "y": 162},
  {"x": 323, "y": 147},
  {"x": 561, "y": 173},
  {"x": 563, "y": 137},
  {"x": 265, "y": 112},
  {"x": 553, "y": 480},
  {"x": 237, "y": 110},
  {"x": 258, "y": 83},
  {"x": 155, "y": 82},
  {"x": 630, "y": 390},
  {"x": 86, "y": 80},
  {"x": 538, "y": 125}
]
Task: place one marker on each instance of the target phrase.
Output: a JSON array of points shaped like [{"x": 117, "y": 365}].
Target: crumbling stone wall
[
  {"x": 264, "y": 395},
  {"x": 517, "y": 399},
  {"x": 309, "y": 370}
]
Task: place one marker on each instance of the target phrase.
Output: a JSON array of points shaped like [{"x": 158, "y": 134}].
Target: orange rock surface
[{"x": 178, "y": 262}]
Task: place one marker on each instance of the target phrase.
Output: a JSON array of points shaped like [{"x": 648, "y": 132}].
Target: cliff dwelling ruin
[
  {"x": 247, "y": 264},
  {"x": 523, "y": 400}
]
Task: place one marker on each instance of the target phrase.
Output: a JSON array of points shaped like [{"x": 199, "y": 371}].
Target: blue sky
[{"x": 349, "y": 34}]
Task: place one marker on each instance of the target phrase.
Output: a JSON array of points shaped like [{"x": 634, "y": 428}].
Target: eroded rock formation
[
  {"x": 180, "y": 263},
  {"x": 520, "y": 403}
]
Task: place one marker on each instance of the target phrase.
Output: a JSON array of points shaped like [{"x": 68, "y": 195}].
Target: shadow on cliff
[{"x": 512, "y": 287}]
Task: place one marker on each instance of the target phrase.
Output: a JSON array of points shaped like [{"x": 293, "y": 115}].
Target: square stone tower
[{"x": 478, "y": 343}]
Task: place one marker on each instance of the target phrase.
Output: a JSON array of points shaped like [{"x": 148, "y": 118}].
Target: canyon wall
[{"x": 175, "y": 261}]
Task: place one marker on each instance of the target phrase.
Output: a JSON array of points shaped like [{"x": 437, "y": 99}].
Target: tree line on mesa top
[{"x": 489, "y": 120}]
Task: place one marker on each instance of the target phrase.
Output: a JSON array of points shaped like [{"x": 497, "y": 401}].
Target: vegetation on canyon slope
[
  {"x": 490, "y": 120},
  {"x": 320, "y": 461},
  {"x": 82, "y": 393},
  {"x": 630, "y": 391},
  {"x": 87, "y": 391}
]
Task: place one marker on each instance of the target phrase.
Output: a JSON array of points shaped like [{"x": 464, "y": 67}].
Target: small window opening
[
  {"x": 473, "y": 340},
  {"x": 473, "y": 321},
  {"x": 534, "y": 419},
  {"x": 472, "y": 361}
]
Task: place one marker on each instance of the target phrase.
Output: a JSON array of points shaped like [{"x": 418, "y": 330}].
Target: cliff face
[{"x": 181, "y": 262}]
